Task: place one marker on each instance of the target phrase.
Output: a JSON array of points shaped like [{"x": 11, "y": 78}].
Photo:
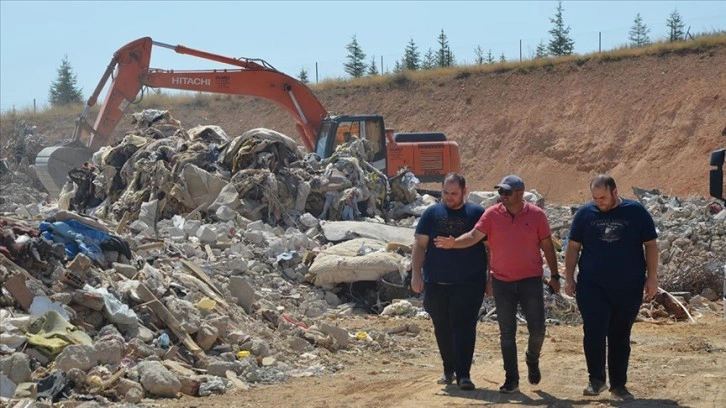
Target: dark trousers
[
  {"x": 608, "y": 314},
  {"x": 529, "y": 294},
  {"x": 454, "y": 311}
]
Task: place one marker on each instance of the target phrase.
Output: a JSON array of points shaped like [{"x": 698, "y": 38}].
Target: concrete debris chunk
[{"x": 157, "y": 379}]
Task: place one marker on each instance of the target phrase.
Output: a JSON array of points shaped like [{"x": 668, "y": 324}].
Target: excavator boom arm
[{"x": 130, "y": 71}]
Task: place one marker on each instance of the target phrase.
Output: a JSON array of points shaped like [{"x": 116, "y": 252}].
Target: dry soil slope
[{"x": 650, "y": 121}]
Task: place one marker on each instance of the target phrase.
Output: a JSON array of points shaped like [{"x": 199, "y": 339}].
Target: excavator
[{"x": 429, "y": 156}]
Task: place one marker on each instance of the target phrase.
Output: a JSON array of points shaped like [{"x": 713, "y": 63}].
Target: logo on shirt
[{"x": 609, "y": 230}]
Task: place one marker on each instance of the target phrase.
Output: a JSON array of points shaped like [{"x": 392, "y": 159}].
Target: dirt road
[{"x": 672, "y": 364}]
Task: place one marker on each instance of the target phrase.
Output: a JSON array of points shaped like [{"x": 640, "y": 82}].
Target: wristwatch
[{"x": 558, "y": 277}]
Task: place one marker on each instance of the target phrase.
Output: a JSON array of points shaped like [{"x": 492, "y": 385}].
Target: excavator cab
[
  {"x": 430, "y": 156},
  {"x": 338, "y": 130}
]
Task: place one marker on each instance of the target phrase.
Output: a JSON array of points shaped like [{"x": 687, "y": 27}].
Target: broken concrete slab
[{"x": 336, "y": 231}]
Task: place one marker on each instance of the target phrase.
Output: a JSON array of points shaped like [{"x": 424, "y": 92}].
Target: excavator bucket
[{"x": 53, "y": 164}]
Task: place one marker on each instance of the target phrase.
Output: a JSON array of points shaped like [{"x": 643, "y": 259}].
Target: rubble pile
[
  {"x": 261, "y": 175},
  {"x": 183, "y": 261},
  {"x": 19, "y": 183},
  {"x": 692, "y": 242}
]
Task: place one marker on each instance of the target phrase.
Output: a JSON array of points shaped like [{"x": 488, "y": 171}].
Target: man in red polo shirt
[{"x": 517, "y": 232}]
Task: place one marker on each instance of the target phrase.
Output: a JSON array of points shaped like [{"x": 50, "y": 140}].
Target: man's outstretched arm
[{"x": 462, "y": 241}]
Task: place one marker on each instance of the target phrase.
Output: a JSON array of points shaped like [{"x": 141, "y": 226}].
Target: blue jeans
[
  {"x": 454, "y": 311},
  {"x": 528, "y": 293},
  {"x": 608, "y": 313}
]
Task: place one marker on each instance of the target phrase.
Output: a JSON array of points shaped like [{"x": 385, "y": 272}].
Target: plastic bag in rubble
[
  {"x": 66, "y": 194},
  {"x": 114, "y": 310},
  {"x": 42, "y": 304},
  {"x": 178, "y": 221},
  {"x": 410, "y": 180},
  {"x": 215, "y": 385}
]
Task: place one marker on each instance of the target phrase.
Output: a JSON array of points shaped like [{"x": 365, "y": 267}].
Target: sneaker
[
  {"x": 446, "y": 379},
  {"x": 533, "y": 374},
  {"x": 466, "y": 384},
  {"x": 509, "y": 387},
  {"x": 594, "y": 388},
  {"x": 621, "y": 393}
]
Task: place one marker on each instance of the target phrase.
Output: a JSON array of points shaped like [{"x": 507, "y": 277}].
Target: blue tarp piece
[{"x": 77, "y": 237}]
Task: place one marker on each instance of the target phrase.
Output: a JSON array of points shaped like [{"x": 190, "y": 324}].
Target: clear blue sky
[{"x": 35, "y": 35}]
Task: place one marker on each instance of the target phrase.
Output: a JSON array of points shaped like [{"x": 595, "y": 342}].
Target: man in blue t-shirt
[
  {"x": 453, "y": 280},
  {"x": 614, "y": 240}
]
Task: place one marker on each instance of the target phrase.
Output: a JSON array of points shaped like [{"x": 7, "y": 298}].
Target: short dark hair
[
  {"x": 455, "y": 177},
  {"x": 603, "y": 180}
]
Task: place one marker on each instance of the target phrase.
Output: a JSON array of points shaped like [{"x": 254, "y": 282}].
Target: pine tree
[
  {"x": 398, "y": 67},
  {"x": 355, "y": 66},
  {"x": 502, "y": 58},
  {"x": 490, "y": 57},
  {"x": 372, "y": 68},
  {"x": 303, "y": 76},
  {"x": 444, "y": 56},
  {"x": 561, "y": 43},
  {"x": 479, "y": 52},
  {"x": 541, "y": 51},
  {"x": 63, "y": 90},
  {"x": 638, "y": 34},
  {"x": 411, "y": 57},
  {"x": 429, "y": 60},
  {"x": 675, "y": 26}
]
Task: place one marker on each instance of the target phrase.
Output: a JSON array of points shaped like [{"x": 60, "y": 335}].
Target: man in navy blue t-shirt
[
  {"x": 453, "y": 280},
  {"x": 614, "y": 240}
]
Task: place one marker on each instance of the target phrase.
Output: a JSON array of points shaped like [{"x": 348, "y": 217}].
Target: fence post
[
  {"x": 316, "y": 72},
  {"x": 33, "y": 106},
  {"x": 599, "y": 41},
  {"x": 520, "y": 50},
  {"x": 382, "y": 65}
]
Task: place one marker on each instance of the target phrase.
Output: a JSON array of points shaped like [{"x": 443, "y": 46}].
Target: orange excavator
[{"x": 428, "y": 155}]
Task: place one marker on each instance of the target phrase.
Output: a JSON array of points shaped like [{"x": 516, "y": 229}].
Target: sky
[{"x": 35, "y": 36}]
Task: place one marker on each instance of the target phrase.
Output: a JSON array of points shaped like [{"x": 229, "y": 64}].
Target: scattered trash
[{"x": 180, "y": 251}]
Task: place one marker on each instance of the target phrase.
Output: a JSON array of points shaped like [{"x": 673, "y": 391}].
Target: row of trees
[
  {"x": 639, "y": 32},
  {"x": 560, "y": 44}
]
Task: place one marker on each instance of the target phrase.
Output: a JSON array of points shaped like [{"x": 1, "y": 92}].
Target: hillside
[{"x": 651, "y": 120}]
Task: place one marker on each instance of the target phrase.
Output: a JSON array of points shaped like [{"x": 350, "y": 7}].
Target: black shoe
[
  {"x": 509, "y": 387},
  {"x": 594, "y": 387},
  {"x": 533, "y": 374},
  {"x": 621, "y": 393},
  {"x": 466, "y": 384},
  {"x": 446, "y": 379}
]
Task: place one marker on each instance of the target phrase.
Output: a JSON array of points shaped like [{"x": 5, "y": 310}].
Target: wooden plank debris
[{"x": 165, "y": 315}]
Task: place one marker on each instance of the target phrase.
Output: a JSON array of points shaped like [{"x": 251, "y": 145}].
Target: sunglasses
[{"x": 503, "y": 192}]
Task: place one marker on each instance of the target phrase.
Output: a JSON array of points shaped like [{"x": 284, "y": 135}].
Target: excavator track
[{"x": 53, "y": 164}]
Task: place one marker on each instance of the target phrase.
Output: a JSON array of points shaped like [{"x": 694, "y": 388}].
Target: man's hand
[
  {"x": 651, "y": 288},
  {"x": 417, "y": 284},
  {"x": 570, "y": 286},
  {"x": 555, "y": 285},
  {"x": 444, "y": 242}
]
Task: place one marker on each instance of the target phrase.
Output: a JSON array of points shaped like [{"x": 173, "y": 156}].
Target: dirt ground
[{"x": 678, "y": 364}]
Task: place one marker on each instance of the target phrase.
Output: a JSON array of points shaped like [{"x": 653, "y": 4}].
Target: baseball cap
[{"x": 511, "y": 182}]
